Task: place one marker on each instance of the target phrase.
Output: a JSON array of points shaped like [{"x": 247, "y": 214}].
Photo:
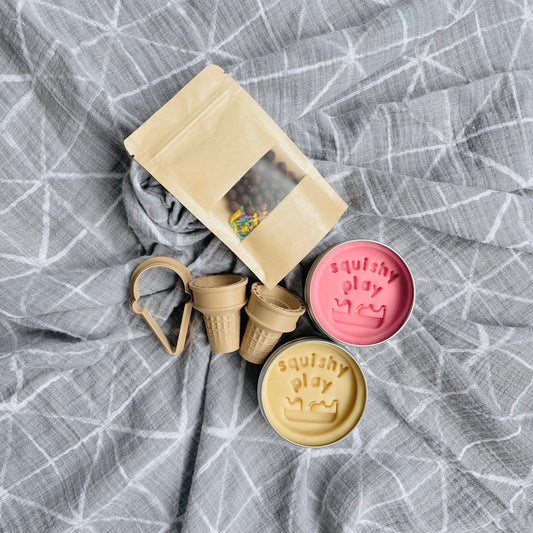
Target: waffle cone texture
[
  {"x": 271, "y": 313},
  {"x": 220, "y": 298}
]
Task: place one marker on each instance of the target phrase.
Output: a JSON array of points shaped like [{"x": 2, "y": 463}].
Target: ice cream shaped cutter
[{"x": 185, "y": 276}]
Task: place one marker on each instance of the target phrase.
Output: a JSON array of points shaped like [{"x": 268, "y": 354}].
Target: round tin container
[
  {"x": 359, "y": 292},
  {"x": 311, "y": 391}
]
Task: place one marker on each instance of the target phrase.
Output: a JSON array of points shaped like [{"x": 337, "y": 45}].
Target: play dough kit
[
  {"x": 311, "y": 390},
  {"x": 215, "y": 149}
]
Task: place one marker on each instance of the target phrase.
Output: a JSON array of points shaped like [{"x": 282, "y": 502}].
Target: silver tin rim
[
  {"x": 271, "y": 359},
  {"x": 307, "y": 294}
]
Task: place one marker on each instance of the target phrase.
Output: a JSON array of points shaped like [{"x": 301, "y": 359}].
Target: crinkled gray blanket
[{"x": 419, "y": 113}]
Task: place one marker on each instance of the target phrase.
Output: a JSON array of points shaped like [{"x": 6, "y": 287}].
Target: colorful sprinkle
[{"x": 243, "y": 224}]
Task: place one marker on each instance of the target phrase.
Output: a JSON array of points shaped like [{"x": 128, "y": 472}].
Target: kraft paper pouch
[{"x": 219, "y": 153}]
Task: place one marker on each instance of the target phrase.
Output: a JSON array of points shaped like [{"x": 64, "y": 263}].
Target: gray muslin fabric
[{"x": 419, "y": 113}]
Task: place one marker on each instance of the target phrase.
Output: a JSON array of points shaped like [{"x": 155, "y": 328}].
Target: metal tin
[
  {"x": 327, "y": 409},
  {"x": 348, "y": 297}
]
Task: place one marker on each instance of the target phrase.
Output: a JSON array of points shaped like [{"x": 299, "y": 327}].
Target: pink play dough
[{"x": 361, "y": 292}]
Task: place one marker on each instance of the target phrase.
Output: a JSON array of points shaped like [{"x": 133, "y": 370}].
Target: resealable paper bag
[{"x": 218, "y": 152}]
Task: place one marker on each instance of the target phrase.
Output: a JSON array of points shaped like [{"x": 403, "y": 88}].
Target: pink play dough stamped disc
[{"x": 360, "y": 292}]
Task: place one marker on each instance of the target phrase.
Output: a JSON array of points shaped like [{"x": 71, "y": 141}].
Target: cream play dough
[{"x": 312, "y": 392}]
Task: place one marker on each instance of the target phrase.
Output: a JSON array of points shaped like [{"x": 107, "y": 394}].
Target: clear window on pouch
[{"x": 259, "y": 191}]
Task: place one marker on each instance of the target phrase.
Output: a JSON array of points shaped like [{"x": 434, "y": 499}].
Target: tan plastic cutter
[{"x": 184, "y": 274}]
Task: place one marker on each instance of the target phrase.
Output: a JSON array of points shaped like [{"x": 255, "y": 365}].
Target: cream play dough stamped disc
[{"x": 312, "y": 392}]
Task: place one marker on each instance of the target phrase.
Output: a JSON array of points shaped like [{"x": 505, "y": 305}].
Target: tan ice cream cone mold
[
  {"x": 219, "y": 298},
  {"x": 271, "y": 312}
]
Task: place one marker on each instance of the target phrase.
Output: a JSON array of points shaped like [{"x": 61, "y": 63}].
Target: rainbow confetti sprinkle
[{"x": 243, "y": 224}]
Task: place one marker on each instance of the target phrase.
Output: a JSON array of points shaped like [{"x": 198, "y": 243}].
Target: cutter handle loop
[{"x": 185, "y": 275}]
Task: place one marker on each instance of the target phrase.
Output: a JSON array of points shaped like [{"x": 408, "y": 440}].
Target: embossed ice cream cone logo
[{"x": 360, "y": 292}]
